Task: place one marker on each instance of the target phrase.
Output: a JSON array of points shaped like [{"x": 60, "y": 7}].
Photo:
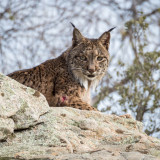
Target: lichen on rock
[
  {"x": 29, "y": 129},
  {"x": 19, "y": 104}
]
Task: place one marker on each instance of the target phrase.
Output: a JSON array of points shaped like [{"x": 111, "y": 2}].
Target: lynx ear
[
  {"x": 105, "y": 38},
  {"x": 77, "y": 36}
]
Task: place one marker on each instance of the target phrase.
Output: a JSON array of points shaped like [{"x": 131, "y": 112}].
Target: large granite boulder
[
  {"x": 65, "y": 133},
  {"x": 20, "y": 106}
]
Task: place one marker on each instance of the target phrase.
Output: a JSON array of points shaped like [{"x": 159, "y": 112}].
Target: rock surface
[
  {"x": 20, "y": 106},
  {"x": 65, "y": 133}
]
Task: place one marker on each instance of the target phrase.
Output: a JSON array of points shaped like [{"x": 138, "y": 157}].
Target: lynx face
[{"x": 88, "y": 59}]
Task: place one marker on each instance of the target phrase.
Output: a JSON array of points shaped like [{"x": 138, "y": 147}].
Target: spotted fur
[{"x": 67, "y": 80}]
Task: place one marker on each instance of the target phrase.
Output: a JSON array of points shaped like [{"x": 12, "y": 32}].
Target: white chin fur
[{"x": 84, "y": 80}]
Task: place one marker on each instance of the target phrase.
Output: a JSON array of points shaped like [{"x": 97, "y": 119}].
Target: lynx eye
[
  {"x": 99, "y": 58},
  {"x": 83, "y": 58}
]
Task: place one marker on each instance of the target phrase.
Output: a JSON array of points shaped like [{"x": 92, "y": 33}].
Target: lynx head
[{"x": 88, "y": 59}]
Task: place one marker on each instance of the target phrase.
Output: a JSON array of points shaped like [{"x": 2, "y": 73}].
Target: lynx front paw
[
  {"x": 90, "y": 108},
  {"x": 69, "y": 101},
  {"x": 82, "y": 106}
]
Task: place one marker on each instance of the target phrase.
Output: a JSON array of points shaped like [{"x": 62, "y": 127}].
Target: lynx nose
[{"x": 91, "y": 70}]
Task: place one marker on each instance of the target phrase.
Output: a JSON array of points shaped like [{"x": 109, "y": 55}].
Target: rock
[
  {"x": 68, "y": 133},
  {"x": 6, "y": 128},
  {"x": 19, "y": 107},
  {"x": 65, "y": 133}
]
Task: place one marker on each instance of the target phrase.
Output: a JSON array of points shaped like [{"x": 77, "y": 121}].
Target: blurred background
[{"x": 32, "y": 31}]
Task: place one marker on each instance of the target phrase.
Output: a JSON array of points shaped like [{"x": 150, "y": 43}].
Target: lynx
[{"x": 68, "y": 79}]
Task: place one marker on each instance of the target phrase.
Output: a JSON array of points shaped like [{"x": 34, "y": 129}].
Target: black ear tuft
[
  {"x": 77, "y": 36},
  {"x": 72, "y": 25},
  {"x": 111, "y": 29}
]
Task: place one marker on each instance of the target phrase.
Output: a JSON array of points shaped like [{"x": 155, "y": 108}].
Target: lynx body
[{"x": 67, "y": 80}]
